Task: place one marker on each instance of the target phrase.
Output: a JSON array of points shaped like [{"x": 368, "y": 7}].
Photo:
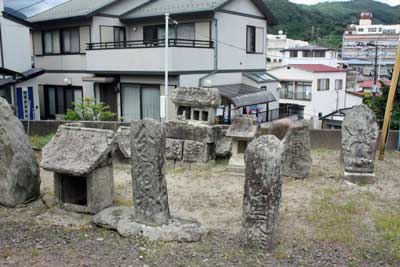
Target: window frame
[
  {"x": 62, "y": 48},
  {"x": 327, "y": 84},
  {"x": 64, "y": 88},
  {"x": 254, "y": 28},
  {"x": 44, "y": 42},
  {"x": 293, "y": 52},
  {"x": 341, "y": 84}
]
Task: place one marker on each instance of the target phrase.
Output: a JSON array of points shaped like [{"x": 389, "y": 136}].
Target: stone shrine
[
  {"x": 82, "y": 162},
  {"x": 262, "y": 193},
  {"x": 19, "y": 171},
  {"x": 359, "y": 138}
]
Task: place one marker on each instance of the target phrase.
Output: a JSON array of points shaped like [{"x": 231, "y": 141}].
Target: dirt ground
[{"x": 324, "y": 222}]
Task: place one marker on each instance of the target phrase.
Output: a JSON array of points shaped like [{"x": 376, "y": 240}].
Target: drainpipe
[
  {"x": 215, "y": 55},
  {"x": 1, "y": 48}
]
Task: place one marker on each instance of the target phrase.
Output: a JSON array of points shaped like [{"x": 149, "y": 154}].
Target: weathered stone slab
[
  {"x": 174, "y": 149},
  {"x": 243, "y": 127},
  {"x": 19, "y": 171},
  {"x": 224, "y": 147},
  {"x": 78, "y": 151},
  {"x": 123, "y": 220},
  {"x": 197, "y": 97},
  {"x": 148, "y": 144},
  {"x": 196, "y": 152},
  {"x": 186, "y": 131},
  {"x": 263, "y": 189},
  {"x": 297, "y": 159},
  {"x": 359, "y": 138},
  {"x": 123, "y": 140}
]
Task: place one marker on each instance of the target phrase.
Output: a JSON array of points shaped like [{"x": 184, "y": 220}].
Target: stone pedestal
[{"x": 263, "y": 189}]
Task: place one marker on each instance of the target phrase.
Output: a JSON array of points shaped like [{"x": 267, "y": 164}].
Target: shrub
[{"x": 90, "y": 110}]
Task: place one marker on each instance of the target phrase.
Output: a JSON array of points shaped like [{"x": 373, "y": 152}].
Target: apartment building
[
  {"x": 320, "y": 89},
  {"x": 310, "y": 54},
  {"x": 18, "y": 80},
  {"x": 362, "y": 42},
  {"x": 114, "y": 51},
  {"x": 275, "y": 44}
]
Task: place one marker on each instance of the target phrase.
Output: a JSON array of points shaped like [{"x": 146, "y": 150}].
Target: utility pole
[
  {"x": 166, "y": 82},
  {"x": 389, "y": 106},
  {"x": 374, "y": 86}
]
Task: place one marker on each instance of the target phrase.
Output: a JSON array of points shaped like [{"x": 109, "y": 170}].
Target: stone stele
[
  {"x": 297, "y": 159},
  {"x": 19, "y": 171},
  {"x": 263, "y": 190},
  {"x": 148, "y": 148},
  {"x": 359, "y": 138},
  {"x": 123, "y": 140}
]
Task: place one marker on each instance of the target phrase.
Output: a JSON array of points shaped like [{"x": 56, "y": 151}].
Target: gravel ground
[{"x": 312, "y": 231}]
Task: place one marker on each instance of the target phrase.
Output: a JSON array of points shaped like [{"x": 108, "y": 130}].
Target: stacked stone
[
  {"x": 263, "y": 189},
  {"x": 19, "y": 171}
]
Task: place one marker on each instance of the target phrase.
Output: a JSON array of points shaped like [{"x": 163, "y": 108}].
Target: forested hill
[{"x": 324, "y": 23}]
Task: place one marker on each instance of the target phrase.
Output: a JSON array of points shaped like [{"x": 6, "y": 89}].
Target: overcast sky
[{"x": 309, "y": 2}]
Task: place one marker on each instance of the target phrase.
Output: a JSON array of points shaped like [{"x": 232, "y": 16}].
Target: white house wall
[
  {"x": 62, "y": 62},
  {"x": 16, "y": 45}
]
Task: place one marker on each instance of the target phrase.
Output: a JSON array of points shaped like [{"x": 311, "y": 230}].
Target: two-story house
[
  {"x": 18, "y": 80},
  {"x": 114, "y": 51},
  {"x": 321, "y": 89}
]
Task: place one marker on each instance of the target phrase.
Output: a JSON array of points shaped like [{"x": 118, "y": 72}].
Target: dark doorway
[
  {"x": 108, "y": 96},
  {"x": 73, "y": 190}
]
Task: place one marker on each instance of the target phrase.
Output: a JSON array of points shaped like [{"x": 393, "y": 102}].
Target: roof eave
[{"x": 158, "y": 17}]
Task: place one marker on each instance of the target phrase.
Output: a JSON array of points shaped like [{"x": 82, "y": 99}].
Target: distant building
[
  {"x": 320, "y": 89},
  {"x": 277, "y": 43},
  {"x": 310, "y": 54},
  {"x": 359, "y": 43}
]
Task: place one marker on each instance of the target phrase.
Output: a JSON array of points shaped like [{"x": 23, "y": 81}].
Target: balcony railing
[{"x": 150, "y": 44}]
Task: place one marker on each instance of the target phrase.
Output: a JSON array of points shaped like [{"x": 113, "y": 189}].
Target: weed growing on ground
[
  {"x": 387, "y": 224},
  {"x": 40, "y": 141}
]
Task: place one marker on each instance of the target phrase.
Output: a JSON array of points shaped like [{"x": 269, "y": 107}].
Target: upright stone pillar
[
  {"x": 359, "y": 139},
  {"x": 262, "y": 191},
  {"x": 19, "y": 171},
  {"x": 148, "y": 142}
]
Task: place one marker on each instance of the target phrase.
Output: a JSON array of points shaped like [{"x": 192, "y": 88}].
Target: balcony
[{"x": 148, "y": 56}]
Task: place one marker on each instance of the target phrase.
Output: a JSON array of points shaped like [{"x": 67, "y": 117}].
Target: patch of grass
[
  {"x": 40, "y": 141},
  {"x": 338, "y": 217},
  {"x": 35, "y": 252},
  {"x": 387, "y": 224},
  {"x": 175, "y": 171},
  {"x": 123, "y": 202}
]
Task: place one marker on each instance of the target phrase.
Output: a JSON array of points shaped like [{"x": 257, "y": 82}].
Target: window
[
  {"x": 286, "y": 91},
  {"x": 338, "y": 84},
  {"x": 294, "y": 53},
  {"x": 196, "y": 115},
  {"x": 361, "y": 29},
  {"x": 254, "y": 40},
  {"x": 323, "y": 85},
  {"x": 307, "y": 53},
  {"x": 303, "y": 91},
  {"x": 204, "y": 115},
  {"x": 112, "y": 34},
  {"x": 319, "y": 53},
  {"x": 51, "y": 42},
  {"x": 389, "y": 31},
  {"x": 70, "y": 41},
  {"x": 140, "y": 102},
  {"x": 154, "y": 35},
  {"x": 371, "y": 29},
  {"x": 58, "y": 99}
]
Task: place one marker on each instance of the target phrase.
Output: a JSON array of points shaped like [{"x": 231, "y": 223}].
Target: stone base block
[
  {"x": 360, "y": 178},
  {"x": 122, "y": 219}
]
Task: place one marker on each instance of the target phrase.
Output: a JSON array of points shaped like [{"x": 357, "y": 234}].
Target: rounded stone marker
[{"x": 262, "y": 192}]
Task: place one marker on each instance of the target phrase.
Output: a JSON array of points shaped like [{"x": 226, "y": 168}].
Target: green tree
[
  {"x": 90, "y": 110},
  {"x": 378, "y": 105}
]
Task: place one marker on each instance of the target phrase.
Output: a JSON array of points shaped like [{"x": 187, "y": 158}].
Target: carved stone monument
[
  {"x": 148, "y": 143},
  {"x": 19, "y": 171},
  {"x": 359, "y": 138},
  {"x": 263, "y": 189}
]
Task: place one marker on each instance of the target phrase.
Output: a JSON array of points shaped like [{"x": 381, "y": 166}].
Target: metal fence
[{"x": 150, "y": 44}]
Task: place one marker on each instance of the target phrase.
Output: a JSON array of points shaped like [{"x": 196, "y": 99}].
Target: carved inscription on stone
[
  {"x": 174, "y": 149},
  {"x": 359, "y": 138},
  {"x": 150, "y": 196},
  {"x": 263, "y": 187},
  {"x": 195, "y": 151}
]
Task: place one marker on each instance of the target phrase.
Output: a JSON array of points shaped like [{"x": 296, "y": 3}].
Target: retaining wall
[{"x": 320, "y": 139}]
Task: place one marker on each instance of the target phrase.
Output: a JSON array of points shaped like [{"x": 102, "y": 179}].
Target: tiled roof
[
  {"x": 316, "y": 68},
  {"x": 308, "y": 48},
  {"x": 160, "y": 7},
  {"x": 368, "y": 83},
  {"x": 70, "y": 9}
]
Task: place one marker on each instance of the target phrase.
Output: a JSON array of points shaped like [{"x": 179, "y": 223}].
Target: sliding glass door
[
  {"x": 58, "y": 99},
  {"x": 140, "y": 102}
]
